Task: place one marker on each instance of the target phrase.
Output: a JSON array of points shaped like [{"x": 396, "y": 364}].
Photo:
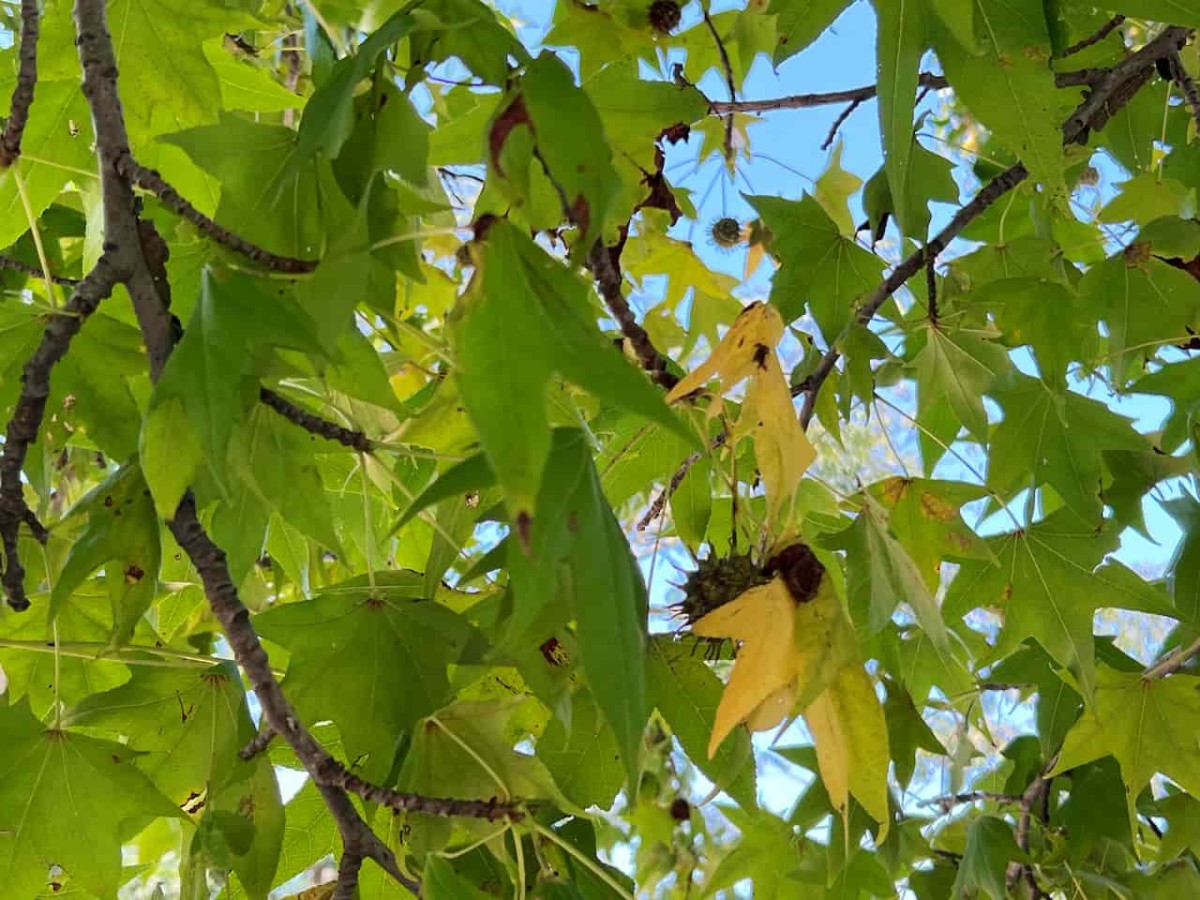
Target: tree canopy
[{"x": 370, "y": 371}]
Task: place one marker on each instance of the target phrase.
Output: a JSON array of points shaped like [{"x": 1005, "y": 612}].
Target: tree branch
[
  {"x": 149, "y": 180},
  {"x": 1173, "y": 661},
  {"x": 26, "y": 421},
  {"x": 1187, "y": 85},
  {"x": 22, "y": 99},
  {"x": 950, "y": 801},
  {"x": 609, "y": 282},
  {"x": 926, "y": 81},
  {"x": 315, "y": 424},
  {"x": 7, "y": 262},
  {"x": 1113, "y": 89},
  {"x": 728, "y": 70},
  {"x": 401, "y": 801},
  {"x": 1105, "y": 30}
]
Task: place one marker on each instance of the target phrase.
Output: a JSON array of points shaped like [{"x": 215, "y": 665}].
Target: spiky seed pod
[
  {"x": 664, "y": 16},
  {"x": 725, "y": 233},
  {"x": 717, "y": 581}
]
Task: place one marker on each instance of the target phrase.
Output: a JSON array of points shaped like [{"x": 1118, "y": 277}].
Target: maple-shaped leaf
[
  {"x": 907, "y": 732},
  {"x": 850, "y": 732},
  {"x": 466, "y": 750},
  {"x": 1048, "y": 583},
  {"x": 818, "y": 263},
  {"x": 955, "y": 369},
  {"x": 767, "y": 853},
  {"x": 1179, "y": 382},
  {"x": 1055, "y": 437},
  {"x": 1184, "y": 574},
  {"x": 1145, "y": 303},
  {"x": 1148, "y": 724},
  {"x": 781, "y": 447},
  {"x": 69, "y": 800},
  {"x": 373, "y": 661},
  {"x": 187, "y": 724},
  {"x": 788, "y": 652}
]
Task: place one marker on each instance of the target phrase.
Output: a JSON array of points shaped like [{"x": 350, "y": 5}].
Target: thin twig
[
  {"x": 1105, "y": 30},
  {"x": 258, "y": 743},
  {"x": 26, "y": 421},
  {"x": 444, "y": 807},
  {"x": 7, "y": 262},
  {"x": 315, "y": 424},
  {"x": 950, "y": 801},
  {"x": 22, "y": 99},
  {"x": 1110, "y": 93},
  {"x": 1187, "y": 84},
  {"x": 609, "y": 282},
  {"x": 931, "y": 288},
  {"x": 837, "y": 123},
  {"x": 656, "y": 506},
  {"x": 1173, "y": 661},
  {"x": 926, "y": 81},
  {"x": 728, "y": 70},
  {"x": 149, "y": 180}
]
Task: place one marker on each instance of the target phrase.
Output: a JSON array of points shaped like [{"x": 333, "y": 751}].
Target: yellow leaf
[
  {"x": 788, "y": 652},
  {"x": 754, "y": 333},
  {"x": 763, "y": 620},
  {"x": 319, "y": 892},
  {"x": 782, "y": 449},
  {"x": 850, "y": 734}
]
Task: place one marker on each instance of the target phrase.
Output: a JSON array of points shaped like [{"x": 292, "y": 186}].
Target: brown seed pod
[
  {"x": 800, "y": 569},
  {"x": 664, "y": 16}
]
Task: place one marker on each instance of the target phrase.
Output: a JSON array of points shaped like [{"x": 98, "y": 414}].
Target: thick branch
[
  {"x": 150, "y": 180},
  {"x": 1187, "y": 85},
  {"x": 26, "y": 420},
  {"x": 445, "y": 807},
  {"x": 22, "y": 99},
  {"x": 314, "y": 424},
  {"x": 1113, "y": 89},
  {"x": 609, "y": 282}
]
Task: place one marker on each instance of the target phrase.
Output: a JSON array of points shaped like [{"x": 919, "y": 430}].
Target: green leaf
[
  {"x": 371, "y": 661},
  {"x": 466, "y": 29},
  {"x": 958, "y": 367},
  {"x": 1184, "y": 573},
  {"x": 818, "y": 264},
  {"x": 907, "y": 732},
  {"x": 441, "y": 882},
  {"x": 523, "y": 319},
  {"x": 880, "y": 574},
  {"x": 571, "y": 145},
  {"x": 900, "y": 43},
  {"x": 686, "y": 693},
  {"x": 269, "y": 189},
  {"x": 1010, "y": 85},
  {"x": 1058, "y": 704},
  {"x": 990, "y": 848},
  {"x": 1055, "y": 438},
  {"x": 1047, "y": 316},
  {"x": 800, "y": 22},
  {"x": 1145, "y": 303},
  {"x": 691, "y": 503},
  {"x": 46, "y": 814},
  {"x": 1179, "y": 382},
  {"x": 461, "y": 478},
  {"x": 1178, "y": 12},
  {"x": 1148, "y": 724},
  {"x": 122, "y": 535},
  {"x": 1049, "y": 583},
  {"x": 50, "y": 152},
  {"x": 247, "y": 86},
  {"x": 584, "y": 759},
  {"x": 329, "y": 112},
  {"x": 187, "y": 726}
]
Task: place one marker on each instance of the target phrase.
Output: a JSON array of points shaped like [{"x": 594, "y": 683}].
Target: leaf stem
[
  {"x": 1173, "y": 661},
  {"x": 589, "y": 864},
  {"x": 36, "y": 234}
]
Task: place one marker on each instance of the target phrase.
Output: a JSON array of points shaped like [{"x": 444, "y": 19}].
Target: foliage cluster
[{"x": 330, "y": 423}]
